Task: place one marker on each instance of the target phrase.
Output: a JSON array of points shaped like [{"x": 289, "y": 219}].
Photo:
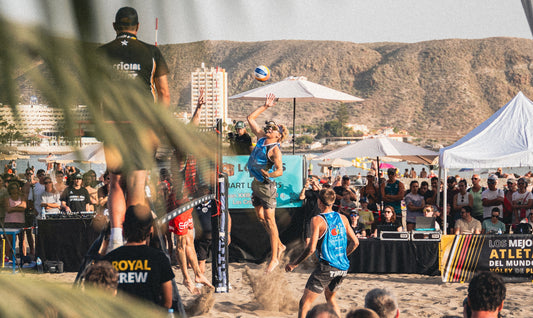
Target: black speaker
[
  {"x": 425, "y": 236},
  {"x": 394, "y": 236}
]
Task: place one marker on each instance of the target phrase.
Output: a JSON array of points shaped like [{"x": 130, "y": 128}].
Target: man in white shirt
[{"x": 492, "y": 197}]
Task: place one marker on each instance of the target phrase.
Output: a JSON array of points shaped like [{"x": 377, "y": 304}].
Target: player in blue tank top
[
  {"x": 333, "y": 239},
  {"x": 265, "y": 164}
]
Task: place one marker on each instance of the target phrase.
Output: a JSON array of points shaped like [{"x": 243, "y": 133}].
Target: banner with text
[
  {"x": 240, "y": 183},
  {"x": 508, "y": 255}
]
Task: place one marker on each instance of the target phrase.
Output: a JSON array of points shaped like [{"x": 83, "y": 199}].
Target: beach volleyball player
[
  {"x": 141, "y": 62},
  {"x": 265, "y": 164},
  {"x": 333, "y": 239}
]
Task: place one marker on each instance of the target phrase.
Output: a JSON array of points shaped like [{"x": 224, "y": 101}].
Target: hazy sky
[{"x": 260, "y": 20}]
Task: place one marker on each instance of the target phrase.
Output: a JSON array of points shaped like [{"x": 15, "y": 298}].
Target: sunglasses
[
  {"x": 48, "y": 182},
  {"x": 272, "y": 127},
  {"x": 495, "y": 216},
  {"x": 387, "y": 211}
]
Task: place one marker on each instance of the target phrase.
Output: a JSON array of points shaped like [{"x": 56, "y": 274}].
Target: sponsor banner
[
  {"x": 463, "y": 255},
  {"x": 240, "y": 183}
]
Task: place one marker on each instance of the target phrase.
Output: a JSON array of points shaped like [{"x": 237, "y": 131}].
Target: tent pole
[
  {"x": 444, "y": 201},
  {"x": 293, "y": 123}
]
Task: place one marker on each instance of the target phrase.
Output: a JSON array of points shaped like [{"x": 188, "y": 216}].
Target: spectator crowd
[{"x": 473, "y": 206}]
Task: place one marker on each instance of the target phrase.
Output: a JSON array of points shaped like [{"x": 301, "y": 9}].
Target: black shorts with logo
[{"x": 325, "y": 275}]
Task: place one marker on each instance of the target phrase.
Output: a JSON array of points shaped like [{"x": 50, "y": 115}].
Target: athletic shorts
[
  {"x": 325, "y": 275},
  {"x": 202, "y": 246},
  {"x": 264, "y": 194},
  {"x": 181, "y": 224}
]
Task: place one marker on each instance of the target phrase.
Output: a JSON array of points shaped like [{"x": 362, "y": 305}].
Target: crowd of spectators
[
  {"x": 473, "y": 206},
  {"x": 32, "y": 194},
  {"x": 485, "y": 298}
]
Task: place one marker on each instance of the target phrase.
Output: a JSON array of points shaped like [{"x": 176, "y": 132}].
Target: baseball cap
[
  {"x": 492, "y": 178},
  {"x": 363, "y": 200},
  {"x": 452, "y": 179},
  {"x": 78, "y": 176},
  {"x": 371, "y": 173},
  {"x": 240, "y": 124},
  {"x": 511, "y": 180},
  {"x": 126, "y": 16},
  {"x": 391, "y": 171},
  {"x": 345, "y": 178}
]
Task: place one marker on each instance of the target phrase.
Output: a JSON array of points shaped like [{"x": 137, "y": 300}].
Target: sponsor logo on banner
[
  {"x": 240, "y": 183},
  {"x": 508, "y": 255}
]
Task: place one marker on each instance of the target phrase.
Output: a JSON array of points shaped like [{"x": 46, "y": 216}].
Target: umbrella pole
[
  {"x": 379, "y": 183},
  {"x": 293, "y": 123}
]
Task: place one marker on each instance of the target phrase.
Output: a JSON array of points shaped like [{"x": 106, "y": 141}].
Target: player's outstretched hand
[
  {"x": 201, "y": 96},
  {"x": 270, "y": 100}
]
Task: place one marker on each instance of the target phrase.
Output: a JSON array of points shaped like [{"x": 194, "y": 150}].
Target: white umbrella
[
  {"x": 335, "y": 163},
  {"x": 383, "y": 147},
  {"x": 88, "y": 154},
  {"x": 297, "y": 89}
]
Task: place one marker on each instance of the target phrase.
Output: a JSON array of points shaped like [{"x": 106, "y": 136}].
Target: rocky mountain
[{"x": 437, "y": 90}]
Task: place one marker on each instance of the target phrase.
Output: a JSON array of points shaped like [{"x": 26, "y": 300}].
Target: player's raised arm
[{"x": 269, "y": 102}]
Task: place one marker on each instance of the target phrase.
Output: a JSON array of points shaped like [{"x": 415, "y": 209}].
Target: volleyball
[{"x": 262, "y": 73}]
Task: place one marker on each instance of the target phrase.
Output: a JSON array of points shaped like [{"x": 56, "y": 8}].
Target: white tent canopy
[{"x": 503, "y": 140}]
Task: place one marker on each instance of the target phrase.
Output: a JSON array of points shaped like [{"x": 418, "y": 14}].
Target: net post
[{"x": 220, "y": 233}]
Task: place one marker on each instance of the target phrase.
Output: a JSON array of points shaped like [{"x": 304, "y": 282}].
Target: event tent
[{"x": 503, "y": 140}]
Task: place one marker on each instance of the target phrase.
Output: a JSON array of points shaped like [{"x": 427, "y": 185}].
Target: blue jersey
[
  {"x": 332, "y": 244},
  {"x": 259, "y": 160}
]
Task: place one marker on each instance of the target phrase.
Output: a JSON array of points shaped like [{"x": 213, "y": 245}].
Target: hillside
[{"x": 436, "y": 89}]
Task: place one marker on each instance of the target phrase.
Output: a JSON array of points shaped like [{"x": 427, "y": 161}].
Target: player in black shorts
[{"x": 138, "y": 61}]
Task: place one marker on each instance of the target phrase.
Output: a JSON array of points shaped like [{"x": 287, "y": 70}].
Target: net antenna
[{"x": 156, "y": 29}]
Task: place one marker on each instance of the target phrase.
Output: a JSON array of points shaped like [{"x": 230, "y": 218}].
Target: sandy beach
[{"x": 276, "y": 295}]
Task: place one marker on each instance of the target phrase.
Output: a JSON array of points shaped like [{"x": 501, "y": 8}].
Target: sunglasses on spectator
[
  {"x": 48, "y": 182},
  {"x": 495, "y": 216},
  {"x": 388, "y": 211}
]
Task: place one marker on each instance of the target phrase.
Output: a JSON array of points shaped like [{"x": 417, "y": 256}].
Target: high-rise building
[
  {"x": 214, "y": 81},
  {"x": 43, "y": 120}
]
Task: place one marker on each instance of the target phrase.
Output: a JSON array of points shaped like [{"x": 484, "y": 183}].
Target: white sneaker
[{"x": 113, "y": 244}]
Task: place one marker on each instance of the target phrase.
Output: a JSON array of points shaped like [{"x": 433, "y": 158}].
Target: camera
[{"x": 231, "y": 136}]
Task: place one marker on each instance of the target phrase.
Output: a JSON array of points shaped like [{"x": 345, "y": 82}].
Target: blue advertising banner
[{"x": 240, "y": 183}]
